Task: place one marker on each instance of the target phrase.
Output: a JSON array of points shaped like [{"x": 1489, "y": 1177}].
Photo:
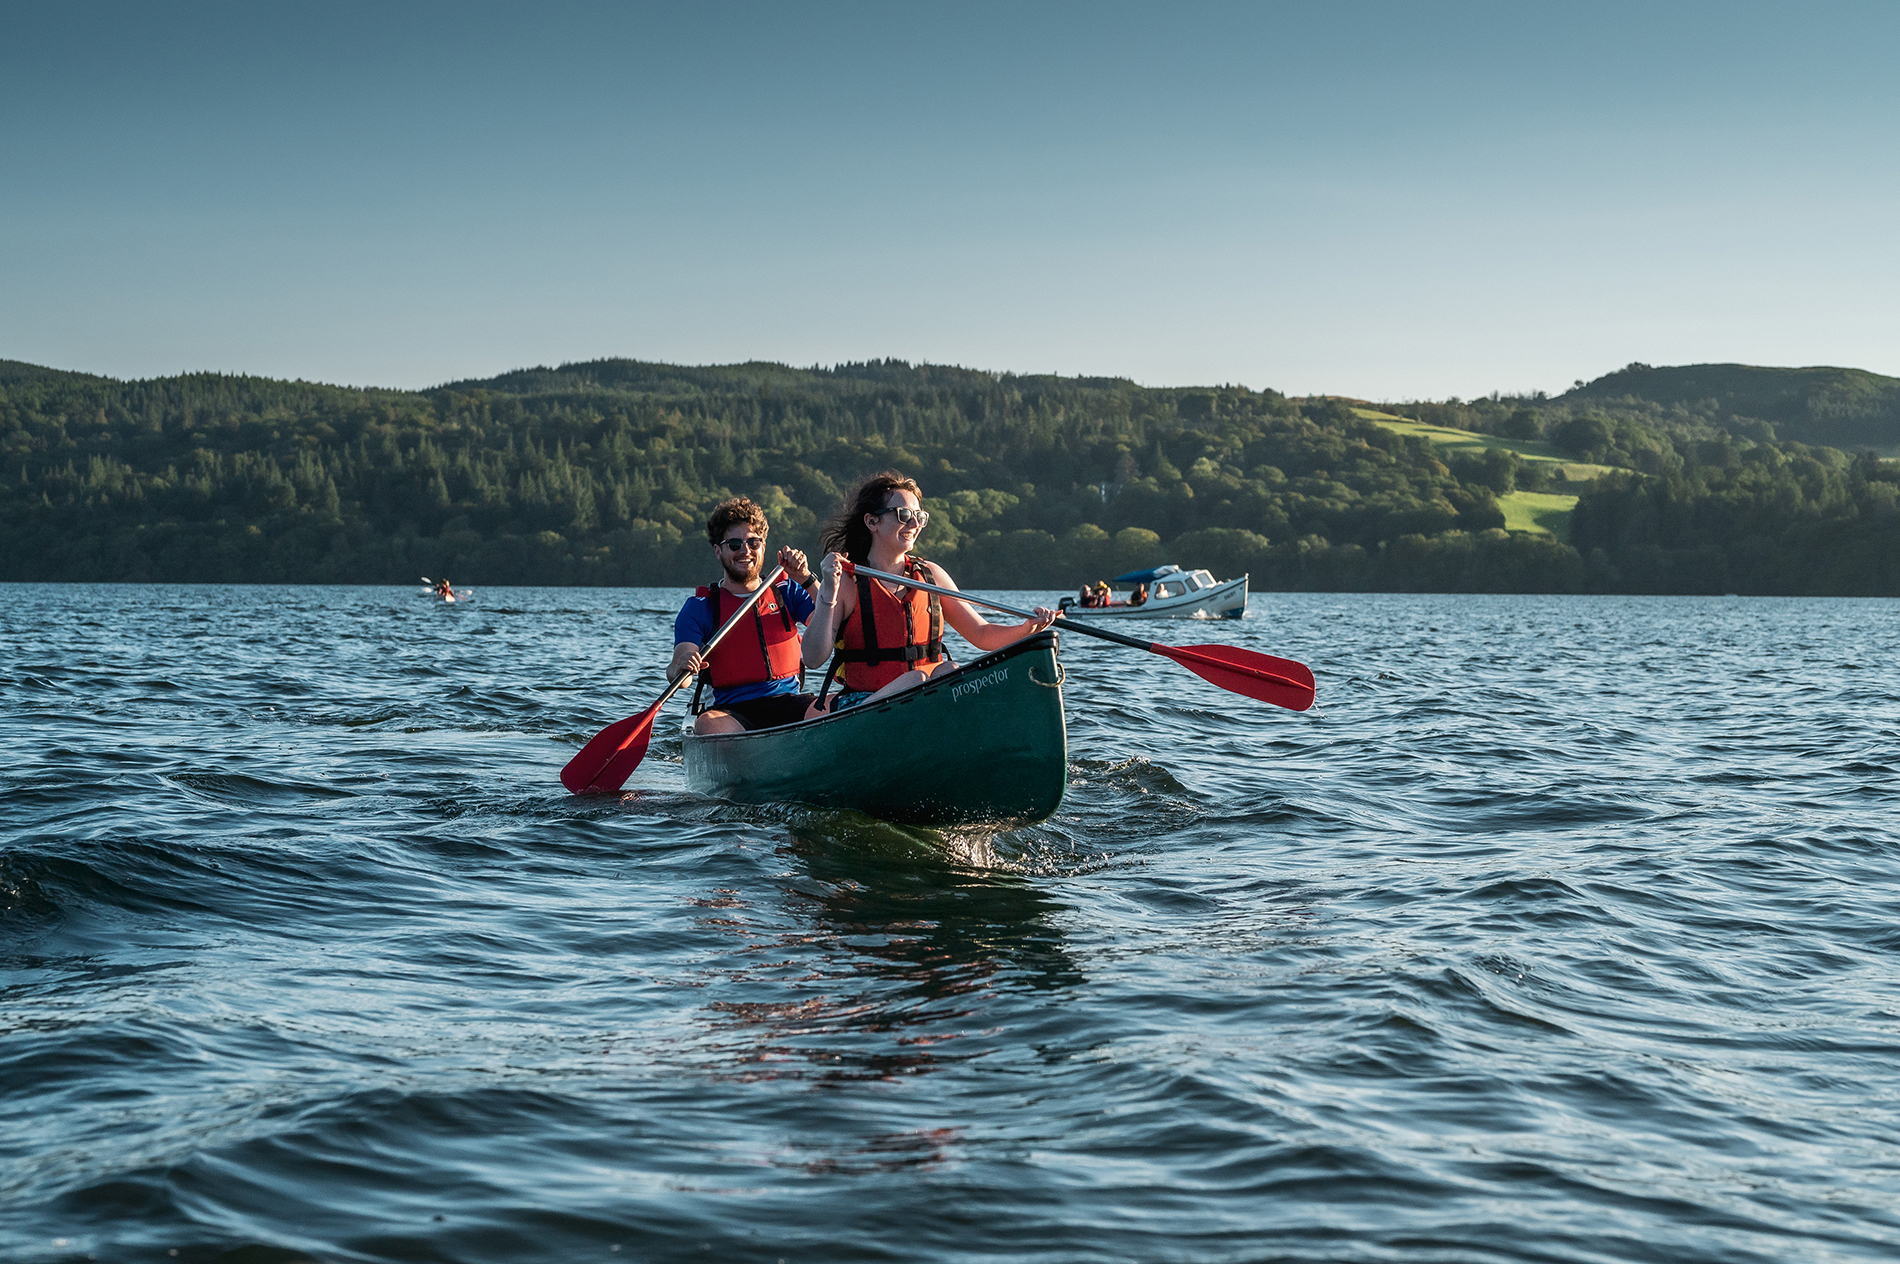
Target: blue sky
[{"x": 1386, "y": 200}]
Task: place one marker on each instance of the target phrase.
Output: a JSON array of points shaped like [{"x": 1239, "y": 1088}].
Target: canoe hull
[{"x": 983, "y": 743}]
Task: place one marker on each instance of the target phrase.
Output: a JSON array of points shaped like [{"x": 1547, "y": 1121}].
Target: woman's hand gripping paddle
[
  {"x": 1280, "y": 681},
  {"x": 605, "y": 763}
]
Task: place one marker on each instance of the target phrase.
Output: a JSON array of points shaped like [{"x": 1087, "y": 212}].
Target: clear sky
[{"x": 1386, "y": 200}]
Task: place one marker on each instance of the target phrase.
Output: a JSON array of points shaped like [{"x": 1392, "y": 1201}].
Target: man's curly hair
[{"x": 731, "y": 512}]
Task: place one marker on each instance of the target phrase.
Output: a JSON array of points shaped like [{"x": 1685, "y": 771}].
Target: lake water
[{"x": 1563, "y": 929}]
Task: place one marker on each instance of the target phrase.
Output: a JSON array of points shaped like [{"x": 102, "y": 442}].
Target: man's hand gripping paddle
[
  {"x": 605, "y": 763},
  {"x": 1280, "y": 681}
]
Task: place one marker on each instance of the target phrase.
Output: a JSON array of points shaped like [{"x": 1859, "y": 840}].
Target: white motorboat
[{"x": 1172, "y": 594}]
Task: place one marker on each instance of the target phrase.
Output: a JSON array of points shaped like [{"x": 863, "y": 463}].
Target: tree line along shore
[{"x": 1705, "y": 479}]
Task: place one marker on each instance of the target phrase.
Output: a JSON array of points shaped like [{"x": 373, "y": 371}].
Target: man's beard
[{"x": 744, "y": 568}]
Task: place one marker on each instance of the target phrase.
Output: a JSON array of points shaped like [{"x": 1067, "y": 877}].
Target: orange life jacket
[
  {"x": 772, "y": 654},
  {"x": 886, "y": 638}
]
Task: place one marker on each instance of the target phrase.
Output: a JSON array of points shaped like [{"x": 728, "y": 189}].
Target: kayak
[{"x": 985, "y": 742}]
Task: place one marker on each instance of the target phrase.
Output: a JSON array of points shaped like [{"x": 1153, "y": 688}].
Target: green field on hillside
[
  {"x": 1472, "y": 442},
  {"x": 1544, "y": 513}
]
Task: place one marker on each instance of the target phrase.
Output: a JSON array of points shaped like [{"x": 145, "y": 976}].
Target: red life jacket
[
  {"x": 772, "y": 654},
  {"x": 888, "y": 637}
]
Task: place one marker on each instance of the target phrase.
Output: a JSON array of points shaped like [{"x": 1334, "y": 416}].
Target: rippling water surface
[{"x": 1562, "y": 929}]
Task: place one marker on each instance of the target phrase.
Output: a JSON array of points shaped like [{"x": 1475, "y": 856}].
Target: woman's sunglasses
[
  {"x": 745, "y": 545},
  {"x": 906, "y": 515}
]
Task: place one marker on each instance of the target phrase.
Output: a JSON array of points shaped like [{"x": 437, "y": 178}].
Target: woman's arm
[
  {"x": 977, "y": 630},
  {"x": 836, "y": 600}
]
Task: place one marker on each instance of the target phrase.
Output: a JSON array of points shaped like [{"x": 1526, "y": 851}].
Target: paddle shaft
[
  {"x": 617, "y": 750},
  {"x": 765, "y": 586},
  {"x": 677, "y": 685},
  {"x": 1153, "y": 647}
]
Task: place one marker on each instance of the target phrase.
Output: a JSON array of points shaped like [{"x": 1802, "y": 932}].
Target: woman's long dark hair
[{"x": 845, "y": 531}]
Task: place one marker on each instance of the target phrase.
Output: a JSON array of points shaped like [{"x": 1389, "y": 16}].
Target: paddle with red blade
[
  {"x": 1280, "y": 681},
  {"x": 605, "y": 763}
]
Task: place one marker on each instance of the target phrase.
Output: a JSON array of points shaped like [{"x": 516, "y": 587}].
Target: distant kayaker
[
  {"x": 881, "y": 639},
  {"x": 754, "y": 671},
  {"x": 444, "y": 590}
]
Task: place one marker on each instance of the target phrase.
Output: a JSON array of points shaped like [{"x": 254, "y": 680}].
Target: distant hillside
[
  {"x": 675, "y": 380},
  {"x": 20, "y": 373},
  {"x": 603, "y": 473},
  {"x": 1850, "y": 409}
]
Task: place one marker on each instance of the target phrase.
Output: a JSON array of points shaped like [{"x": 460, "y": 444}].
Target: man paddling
[{"x": 754, "y": 671}]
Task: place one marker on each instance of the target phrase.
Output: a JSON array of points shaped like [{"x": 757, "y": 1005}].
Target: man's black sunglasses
[{"x": 742, "y": 545}]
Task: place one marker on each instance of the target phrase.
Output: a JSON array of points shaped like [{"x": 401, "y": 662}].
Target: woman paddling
[{"x": 882, "y": 639}]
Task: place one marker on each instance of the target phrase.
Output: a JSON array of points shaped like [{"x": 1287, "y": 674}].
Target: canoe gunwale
[{"x": 1028, "y": 644}]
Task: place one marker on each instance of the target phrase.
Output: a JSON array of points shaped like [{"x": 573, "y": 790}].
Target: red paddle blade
[
  {"x": 1249, "y": 673},
  {"x": 609, "y": 759}
]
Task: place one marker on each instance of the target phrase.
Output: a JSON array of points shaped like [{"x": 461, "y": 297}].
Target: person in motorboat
[
  {"x": 1088, "y": 595},
  {"x": 1103, "y": 596},
  {"x": 755, "y": 670},
  {"x": 884, "y": 639},
  {"x": 1139, "y": 597}
]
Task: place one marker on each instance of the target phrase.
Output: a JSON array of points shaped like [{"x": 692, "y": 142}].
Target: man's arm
[
  {"x": 685, "y": 659},
  {"x": 797, "y": 567},
  {"x": 800, "y": 602},
  {"x": 689, "y": 632}
]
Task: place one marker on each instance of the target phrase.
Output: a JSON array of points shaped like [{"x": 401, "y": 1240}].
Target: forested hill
[
  {"x": 1842, "y": 408},
  {"x": 604, "y": 472},
  {"x": 673, "y": 380}
]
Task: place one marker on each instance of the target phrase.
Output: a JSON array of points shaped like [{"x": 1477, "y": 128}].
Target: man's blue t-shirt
[{"x": 695, "y": 623}]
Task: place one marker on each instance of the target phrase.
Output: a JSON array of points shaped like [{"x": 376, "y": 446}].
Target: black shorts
[{"x": 769, "y": 713}]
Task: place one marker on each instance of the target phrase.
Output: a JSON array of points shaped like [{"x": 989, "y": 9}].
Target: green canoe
[{"x": 985, "y": 742}]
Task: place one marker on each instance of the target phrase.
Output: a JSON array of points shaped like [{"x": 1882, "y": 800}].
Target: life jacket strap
[
  {"x": 714, "y": 595},
  {"x": 867, "y": 621},
  {"x": 893, "y": 654},
  {"x": 831, "y": 674},
  {"x": 873, "y": 654}
]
